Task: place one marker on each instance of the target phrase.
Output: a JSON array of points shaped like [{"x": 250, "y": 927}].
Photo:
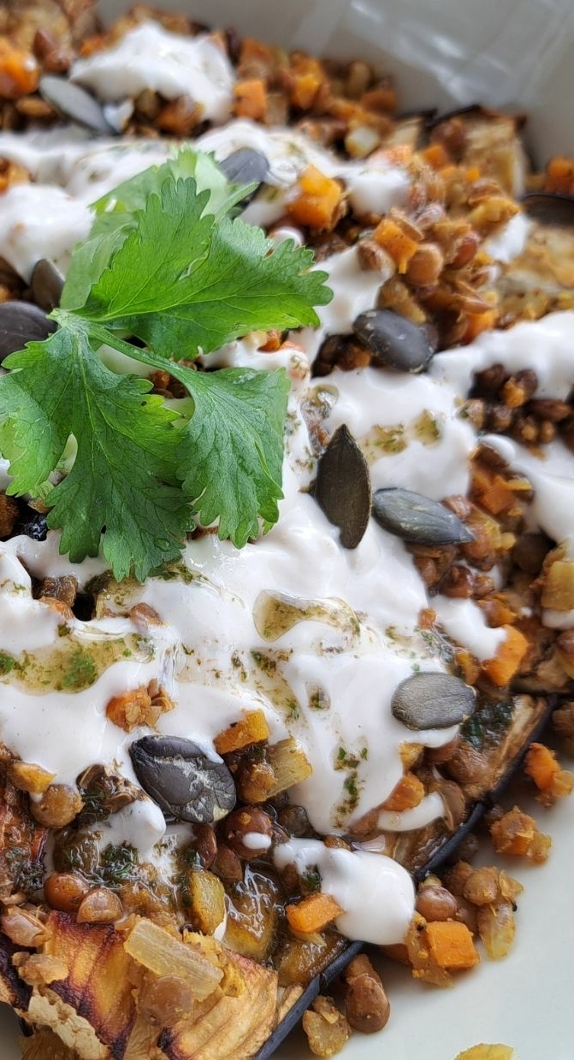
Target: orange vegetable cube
[
  {"x": 541, "y": 765},
  {"x": 313, "y": 913},
  {"x": 317, "y": 203},
  {"x": 436, "y": 156},
  {"x": 252, "y": 728},
  {"x": 250, "y": 99},
  {"x": 450, "y": 944},
  {"x": 510, "y": 654},
  {"x": 19, "y": 72},
  {"x": 391, "y": 237},
  {"x": 407, "y": 794},
  {"x": 478, "y": 322},
  {"x": 304, "y": 88}
]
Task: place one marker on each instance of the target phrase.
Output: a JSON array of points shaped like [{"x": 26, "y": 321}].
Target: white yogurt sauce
[
  {"x": 375, "y": 892},
  {"x": 75, "y": 172},
  {"x": 169, "y": 63},
  {"x": 509, "y": 242}
]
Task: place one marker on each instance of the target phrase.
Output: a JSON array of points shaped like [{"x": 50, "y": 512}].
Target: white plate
[{"x": 524, "y": 1000}]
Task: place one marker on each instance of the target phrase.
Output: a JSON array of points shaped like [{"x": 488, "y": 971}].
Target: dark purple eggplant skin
[
  {"x": 549, "y": 208},
  {"x": 471, "y": 109}
]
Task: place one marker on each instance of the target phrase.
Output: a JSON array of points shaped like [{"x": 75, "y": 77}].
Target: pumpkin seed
[
  {"x": 395, "y": 342},
  {"x": 246, "y": 166},
  {"x": 22, "y": 322},
  {"x": 36, "y": 527},
  {"x": 549, "y": 208},
  {"x": 182, "y": 780},
  {"x": 46, "y": 285},
  {"x": 343, "y": 487},
  {"x": 418, "y": 519},
  {"x": 432, "y": 701},
  {"x": 75, "y": 103}
]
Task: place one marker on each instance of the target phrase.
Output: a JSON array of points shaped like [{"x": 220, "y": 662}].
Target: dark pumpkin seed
[
  {"x": 343, "y": 487},
  {"x": 549, "y": 208},
  {"x": 182, "y": 780},
  {"x": 46, "y": 285},
  {"x": 394, "y": 341},
  {"x": 246, "y": 166},
  {"x": 22, "y": 322},
  {"x": 75, "y": 103},
  {"x": 418, "y": 519},
  {"x": 36, "y": 527},
  {"x": 432, "y": 701}
]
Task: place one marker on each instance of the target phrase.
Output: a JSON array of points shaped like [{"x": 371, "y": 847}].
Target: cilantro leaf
[
  {"x": 163, "y": 262},
  {"x": 231, "y": 452},
  {"x": 181, "y": 282},
  {"x": 115, "y": 215},
  {"x": 122, "y": 485}
]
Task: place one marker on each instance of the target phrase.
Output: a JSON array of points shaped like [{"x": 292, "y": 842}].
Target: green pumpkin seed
[
  {"x": 418, "y": 519},
  {"x": 432, "y": 701}
]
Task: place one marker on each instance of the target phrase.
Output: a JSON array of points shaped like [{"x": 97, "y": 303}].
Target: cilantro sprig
[{"x": 167, "y": 272}]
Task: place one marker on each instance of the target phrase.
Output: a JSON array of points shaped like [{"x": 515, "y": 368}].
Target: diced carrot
[
  {"x": 19, "y": 72},
  {"x": 250, "y": 98},
  {"x": 479, "y": 322},
  {"x": 510, "y": 654},
  {"x": 318, "y": 200},
  {"x": 272, "y": 342},
  {"x": 313, "y": 913},
  {"x": 436, "y": 156},
  {"x": 406, "y": 795},
  {"x": 541, "y": 765},
  {"x": 552, "y": 781},
  {"x": 450, "y": 944},
  {"x": 472, "y": 174},
  {"x": 391, "y": 237},
  {"x": 252, "y": 728},
  {"x": 304, "y": 88}
]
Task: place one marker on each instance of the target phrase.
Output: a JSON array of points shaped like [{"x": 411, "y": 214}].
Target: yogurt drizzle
[{"x": 328, "y": 679}]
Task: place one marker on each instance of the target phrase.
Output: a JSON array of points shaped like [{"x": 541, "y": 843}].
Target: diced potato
[
  {"x": 289, "y": 763},
  {"x": 487, "y": 1052},
  {"x": 204, "y": 900}
]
